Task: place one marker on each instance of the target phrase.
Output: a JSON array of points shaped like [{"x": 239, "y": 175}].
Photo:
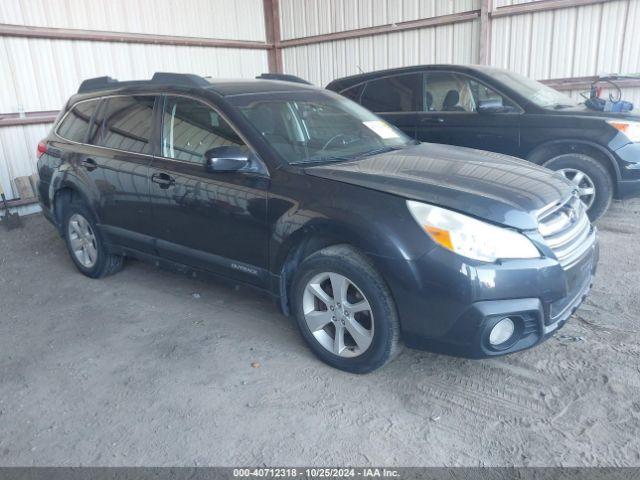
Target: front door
[
  {"x": 460, "y": 110},
  {"x": 210, "y": 220}
]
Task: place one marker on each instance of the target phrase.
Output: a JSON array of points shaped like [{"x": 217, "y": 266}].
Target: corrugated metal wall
[
  {"x": 563, "y": 43},
  {"x": 304, "y": 18},
  {"x": 40, "y": 74},
  {"x": 570, "y": 42},
  {"x": 321, "y": 63},
  {"x": 236, "y": 19}
]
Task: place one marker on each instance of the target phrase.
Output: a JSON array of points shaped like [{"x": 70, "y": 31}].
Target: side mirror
[
  {"x": 493, "y": 105},
  {"x": 228, "y": 158}
]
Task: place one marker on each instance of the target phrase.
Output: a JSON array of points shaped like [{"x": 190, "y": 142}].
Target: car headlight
[
  {"x": 469, "y": 237},
  {"x": 630, "y": 129}
]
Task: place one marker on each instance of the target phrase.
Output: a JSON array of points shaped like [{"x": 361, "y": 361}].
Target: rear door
[
  {"x": 211, "y": 220},
  {"x": 461, "y": 110},
  {"x": 117, "y": 164},
  {"x": 396, "y": 98}
]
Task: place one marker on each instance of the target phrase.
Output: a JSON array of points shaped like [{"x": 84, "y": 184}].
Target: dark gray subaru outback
[{"x": 367, "y": 238}]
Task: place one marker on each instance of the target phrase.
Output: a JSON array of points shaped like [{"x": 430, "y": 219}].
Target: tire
[
  {"x": 594, "y": 173},
  {"x": 103, "y": 263},
  {"x": 377, "y": 329}
]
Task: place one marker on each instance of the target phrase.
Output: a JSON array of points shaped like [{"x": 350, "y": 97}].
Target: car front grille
[{"x": 567, "y": 231}]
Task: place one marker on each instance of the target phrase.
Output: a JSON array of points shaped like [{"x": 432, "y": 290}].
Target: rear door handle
[
  {"x": 432, "y": 120},
  {"x": 163, "y": 179},
  {"x": 89, "y": 163}
]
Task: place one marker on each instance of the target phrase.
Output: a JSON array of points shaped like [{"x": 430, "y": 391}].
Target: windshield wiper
[
  {"x": 338, "y": 158},
  {"x": 327, "y": 159},
  {"x": 560, "y": 106},
  {"x": 376, "y": 151}
]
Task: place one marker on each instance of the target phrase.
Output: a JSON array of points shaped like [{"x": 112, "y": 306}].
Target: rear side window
[
  {"x": 401, "y": 93},
  {"x": 125, "y": 123},
  {"x": 75, "y": 124},
  {"x": 190, "y": 128}
]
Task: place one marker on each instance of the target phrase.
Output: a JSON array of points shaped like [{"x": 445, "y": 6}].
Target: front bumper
[
  {"x": 449, "y": 306},
  {"x": 629, "y": 164}
]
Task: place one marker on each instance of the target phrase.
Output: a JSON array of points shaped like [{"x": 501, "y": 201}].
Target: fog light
[{"x": 502, "y": 331}]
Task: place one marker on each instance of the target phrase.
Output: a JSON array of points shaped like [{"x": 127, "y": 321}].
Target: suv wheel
[
  {"x": 591, "y": 178},
  {"x": 345, "y": 311},
  {"x": 85, "y": 243}
]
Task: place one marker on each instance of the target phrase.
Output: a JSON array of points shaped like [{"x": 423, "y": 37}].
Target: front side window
[
  {"x": 190, "y": 128},
  {"x": 317, "y": 126},
  {"x": 400, "y": 93},
  {"x": 125, "y": 123},
  {"x": 451, "y": 92},
  {"x": 75, "y": 124},
  {"x": 448, "y": 92}
]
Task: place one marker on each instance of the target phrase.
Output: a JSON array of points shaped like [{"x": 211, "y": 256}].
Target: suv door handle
[
  {"x": 89, "y": 163},
  {"x": 163, "y": 179},
  {"x": 432, "y": 120}
]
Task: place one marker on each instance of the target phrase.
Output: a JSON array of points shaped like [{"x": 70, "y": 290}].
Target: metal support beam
[
  {"x": 101, "y": 36},
  {"x": 485, "y": 31},
  {"x": 27, "y": 118},
  {"x": 272, "y": 30},
  {"x": 540, "y": 6},
  {"x": 389, "y": 28}
]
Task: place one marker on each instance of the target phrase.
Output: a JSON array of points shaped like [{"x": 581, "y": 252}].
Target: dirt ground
[{"x": 149, "y": 367}]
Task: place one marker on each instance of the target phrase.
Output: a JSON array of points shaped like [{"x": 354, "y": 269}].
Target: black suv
[
  {"x": 504, "y": 112},
  {"x": 362, "y": 234}
]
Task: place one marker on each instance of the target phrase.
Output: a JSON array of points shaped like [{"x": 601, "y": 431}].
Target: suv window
[
  {"x": 190, "y": 128},
  {"x": 75, "y": 124},
  {"x": 401, "y": 93},
  {"x": 451, "y": 92},
  {"x": 125, "y": 123}
]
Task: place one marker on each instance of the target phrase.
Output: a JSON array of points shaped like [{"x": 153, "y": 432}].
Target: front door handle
[
  {"x": 432, "y": 120},
  {"x": 90, "y": 164},
  {"x": 163, "y": 179}
]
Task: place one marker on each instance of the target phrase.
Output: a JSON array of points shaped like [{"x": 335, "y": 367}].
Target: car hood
[
  {"x": 583, "y": 111},
  {"x": 491, "y": 186}
]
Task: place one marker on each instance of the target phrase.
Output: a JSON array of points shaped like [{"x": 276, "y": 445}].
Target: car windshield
[
  {"x": 536, "y": 92},
  {"x": 318, "y": 127}
]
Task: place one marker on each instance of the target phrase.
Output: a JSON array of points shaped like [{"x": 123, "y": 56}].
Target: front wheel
[
  {"x": 345, "y": 311},
  {"x": 591, "y": 179}
]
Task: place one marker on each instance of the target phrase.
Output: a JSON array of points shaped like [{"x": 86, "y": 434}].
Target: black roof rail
[
  {"x": 285, "y": 77},
  {"x": 97, "y": 83},
  {"x": 182, "y": 79}
]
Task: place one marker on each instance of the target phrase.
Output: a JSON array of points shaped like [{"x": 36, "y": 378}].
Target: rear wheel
[
  {"x": 591, "y": 179},
  {"x": 345, "y": 311},
  {"x": 85, "y": 243}
]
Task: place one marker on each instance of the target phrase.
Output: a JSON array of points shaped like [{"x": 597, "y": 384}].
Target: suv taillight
[{"x": 42, "y": 149}]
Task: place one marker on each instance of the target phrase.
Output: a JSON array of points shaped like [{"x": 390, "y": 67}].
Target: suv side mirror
[
  {"x": 228, "y": 158},
  {"x": 493, "y": 105}
]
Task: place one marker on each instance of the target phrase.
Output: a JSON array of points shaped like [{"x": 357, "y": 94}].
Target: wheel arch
[
  {"x": 63, "y": 195},
  {"x": 549, "y": 150},
  {"x": 302, "y": 244}
]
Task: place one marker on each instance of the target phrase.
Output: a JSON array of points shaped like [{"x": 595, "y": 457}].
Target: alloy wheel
[
  {"x": 586, "y": 187},
  {"x": 338, "y": 314},
  {"x": 82, "y": 240}
]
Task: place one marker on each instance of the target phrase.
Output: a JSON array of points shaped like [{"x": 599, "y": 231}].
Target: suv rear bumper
[{"x": 449, "y": 306}]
